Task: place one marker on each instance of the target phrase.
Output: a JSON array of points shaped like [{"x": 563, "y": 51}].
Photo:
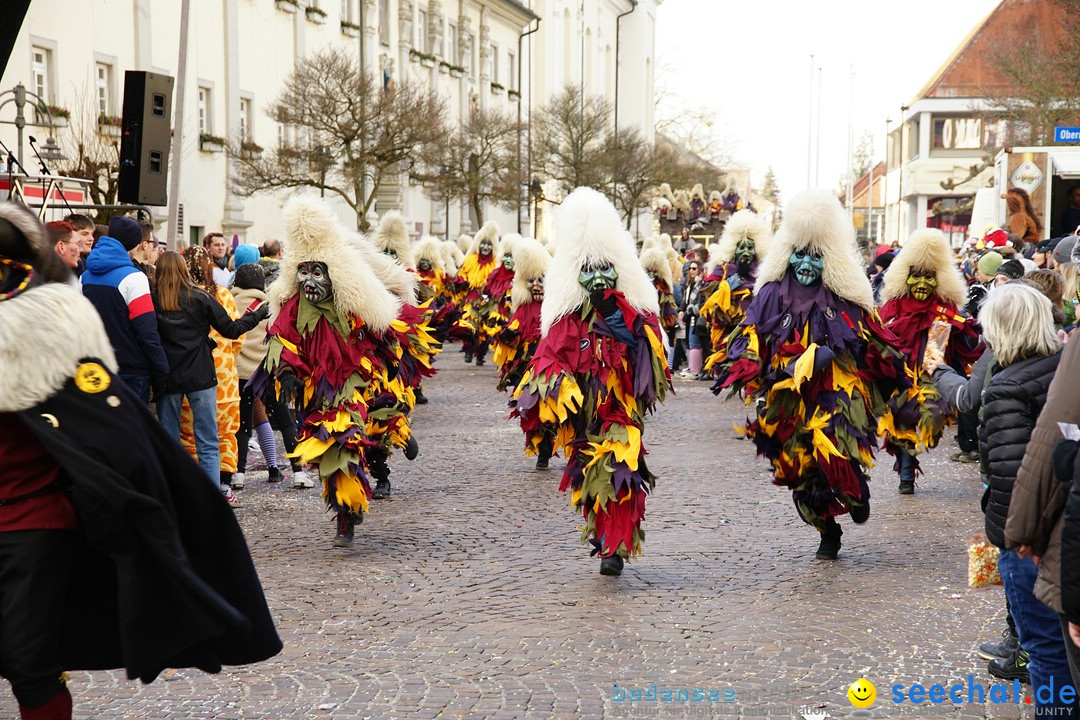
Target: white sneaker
[
  {"x": 238, "y": 481},
  {"x": 301, "y": 480},
  {"x": 253, "y": 444}
]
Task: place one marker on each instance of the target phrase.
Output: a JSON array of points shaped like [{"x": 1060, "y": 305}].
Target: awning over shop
[{"x": 1067, "y": 165}]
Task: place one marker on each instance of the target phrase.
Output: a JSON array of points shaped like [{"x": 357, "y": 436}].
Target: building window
[
  {"x": 422, "y": 32},
  {"x": 511, "y": 71},
  {"x": 384, "y": 22},
  {"x": 104, "y": 74},
  {"x": 204, "y": 110},
  {"x": 245, "y": 120},
  {"x": 40, "y": 73},
  {"x": 494, "y": 63},
  {"x": 195, "y": 235}
]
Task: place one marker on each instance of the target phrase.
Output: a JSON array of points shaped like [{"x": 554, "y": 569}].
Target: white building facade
[{"x": 473, "y": 52}]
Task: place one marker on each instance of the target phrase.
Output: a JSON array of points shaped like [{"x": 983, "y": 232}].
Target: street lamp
[{"x": 18, "y": 96}]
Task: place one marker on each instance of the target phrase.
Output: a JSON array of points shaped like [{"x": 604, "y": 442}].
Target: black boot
[
  {"x": 544, "y": 456},
  {"x": 346, "y": 529},
  {"x": 611, "y": 565},
  {"x": 861, "y": 513},
  {"x": 411, "y": 448},
  {"x": 468, "y": 357},
  {"x": 420, "y": 399},
  {"x": 381, "y": 472},
  {"x": 830, "y": 541}
]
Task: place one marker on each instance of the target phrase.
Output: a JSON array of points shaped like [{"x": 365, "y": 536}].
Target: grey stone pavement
[{"x": 468, "y": 594}]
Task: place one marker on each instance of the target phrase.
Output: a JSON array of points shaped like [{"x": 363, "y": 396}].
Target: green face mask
[
  {"x": 807, "y": 266},
  {"x": 601, "y": 277}
]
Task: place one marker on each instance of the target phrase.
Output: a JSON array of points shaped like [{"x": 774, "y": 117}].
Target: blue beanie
[
  {"x": 245, "y": 254},
  {"x": 127, "y": 231}
]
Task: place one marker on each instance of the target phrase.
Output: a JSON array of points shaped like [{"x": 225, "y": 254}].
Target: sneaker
[
  {"x": 970, "y": 457},
  {"x": 1004, "y": 649},
  {"x": 611, "y": 566},
  {"x": 253, "y": 445},
  {"x": 906, "y": 487},
  {"x": 346, "y": 529},
  {"x": 275, "y": 474},
  {"x": 237, "y": 481},
  {"x": 381, "y": 491},
  {"x": 300, "y": 479},
  {"x": 1011, "y": 668},
  {"x": 231, "y": 499},
  {"x": 958, "y": 456}
]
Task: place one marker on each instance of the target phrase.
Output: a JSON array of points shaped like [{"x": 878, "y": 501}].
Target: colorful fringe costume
[
  {"x": 469, "y": 290},
  {"x": 594, "y": 376},
  {"x": 922, "y": 415},
  {"x": 821, "y": 366},
  {"x": 656, "y": 265},
  {"x": 516, "y": 343}
]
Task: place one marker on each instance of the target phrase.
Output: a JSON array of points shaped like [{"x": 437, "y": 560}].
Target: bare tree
[
  {"x": 347, "y": 133},
  {"x": 678, "y": 166},
  {"x": 569, "y": 139},
  {"x": 630, "y": 164},
  {"x": 770, "y": 190},
  {"x": 91, "y": 155},
  {"x": 478, "y": 164}
]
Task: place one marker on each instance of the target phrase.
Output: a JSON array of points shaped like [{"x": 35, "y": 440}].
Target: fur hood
[
  {"x": 648, "y": 243},
  {"x": 715, "y": 197},
  {"x": 35, "y": 364},
  {"x": 654, "y": 261},
  {"x": 590, "y": 232},
  {"x": 815, "y": 219},
  {"x": 743, "y": 224},
  {"x": 531, "y": 259},
  {"x": 392, "y": 235},
  {"x": 394, "y": 276},
  {"x": 313, "y": 233},
  {"x": 697, "y": 192},
  {"x": 452, "y": 257},
  {"x": 926, "y": 249},
  {"x": 507, "y": 244},
  {"x": 464, "y": 242},
  {"x": 489, "y": 232},
  {"x": 431, "y": 249}
]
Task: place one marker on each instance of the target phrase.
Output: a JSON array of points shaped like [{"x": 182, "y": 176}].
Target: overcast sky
[{"x": 749, "y": 64}]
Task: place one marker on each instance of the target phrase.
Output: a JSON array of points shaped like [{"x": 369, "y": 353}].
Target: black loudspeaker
[{"x": 145, "y": 135}]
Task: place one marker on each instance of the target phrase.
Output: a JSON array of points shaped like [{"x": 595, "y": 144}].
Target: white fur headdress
[
  {"x": 591, "y": 233},
  {"x": 490, "y": 232},
  {"x": 697, "y": 192},
  {"x": 464, "y": 242},
  {"x": 926, "y": 249},
  {"x": 815, "y": 219},
  {"x": 740, "y": 226},
  {"x": 531, "y": 259},
  {"x": 716, "y": 197},
  {"x": 393, "y": 235},
  {"x": 394, "y": 276},
  {"x": 314, "y": 234},
  {"x": 431, "y": 249},
  {"x": 654, "y": 261},
  {"x": 648, "y": 243},
  {"x": 507, "y": 244}
]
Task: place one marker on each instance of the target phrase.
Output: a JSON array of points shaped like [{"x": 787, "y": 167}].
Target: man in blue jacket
[{"x": 121, "y": 294}]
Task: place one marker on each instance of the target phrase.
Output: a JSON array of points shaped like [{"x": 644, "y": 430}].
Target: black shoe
[
  {"x": 906, "y": 487},
  {"x": 1004, "y": 649},
  {"x": 479, "y": 361},
  {"x": 275, "y": 475},
  {"x": 346, "y": 529},
  {"x": 611, "y": 565},
  {"x": 970, "y": 457},
  {"x": 829, "y": 547},
  {"x": 411, "y": 448},
  {"x": 468, "y": 358},
  {"x": 420, "y": 399},
  {"x": 861, "y": 513},
  {"x": 541, "y": 463},
  {"x": 381, "y": 491},
  {"x": 1011, "y": 668}
]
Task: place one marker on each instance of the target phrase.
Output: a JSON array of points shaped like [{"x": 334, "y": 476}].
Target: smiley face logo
[{"x": 862, "y": 693}]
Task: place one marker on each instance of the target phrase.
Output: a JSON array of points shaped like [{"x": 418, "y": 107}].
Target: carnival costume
[
  {"x": 659, "y": 271},
  {"x": 330, "y": 330},
  {"x": 813, "y": 353},
  {"x": 469, "y": 289},
  {"x": 923, "y": 285},
  {"x": 598, "y": 369},
  {"x": 494, "y": 309},
  {"x": 730, "y": 276},
  {"x": 117, "y": 553},
  {"x": 515, "y": 344}
]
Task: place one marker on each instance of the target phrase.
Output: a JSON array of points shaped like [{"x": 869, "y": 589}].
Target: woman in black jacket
[
  {"x": 1018, "y": 326},
  {"x": 185, "y": 315}
]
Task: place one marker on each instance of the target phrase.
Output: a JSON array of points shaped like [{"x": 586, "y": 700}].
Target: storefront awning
[{"x": 1067, "y": 166}]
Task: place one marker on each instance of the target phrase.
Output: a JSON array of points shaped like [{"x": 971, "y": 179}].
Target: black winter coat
[
  {"x": 1067, "y": 470},
  {"x": 1012, "y": 401}
]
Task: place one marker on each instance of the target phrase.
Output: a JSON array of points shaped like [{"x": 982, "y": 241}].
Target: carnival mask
[
  {"x": 424, "y": 264},
  {"x": 598, "y": 277},
  {"x": 808, "y": 265},
  {"x": 391, "y": 252},
  {"x": 536, "y": 287},
  {"x": 921, "y": 283},
  {"x": 508, "y": 262},
  {"x": 486, "y": 247},
  {"x": 745, "y": 251},
  {"x": 314, "y": 280}
]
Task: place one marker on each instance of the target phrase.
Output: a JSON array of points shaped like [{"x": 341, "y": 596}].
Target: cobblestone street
[{"x": 468, "y": 594}]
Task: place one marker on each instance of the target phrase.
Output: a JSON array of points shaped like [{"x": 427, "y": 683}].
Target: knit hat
[
  {"x": 1012, "y": 269},
  {"x": 245, "y": 254},
  {"x": 1064, "y": 250},
  {"x": 884, "y": 260},
  {"x": 990, "y": 262},
  {"x": 126, "y": 231},
  {"x": 249, "y": 276}
]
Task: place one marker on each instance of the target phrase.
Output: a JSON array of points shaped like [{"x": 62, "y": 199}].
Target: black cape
[{"x": 163, "y": 577}]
